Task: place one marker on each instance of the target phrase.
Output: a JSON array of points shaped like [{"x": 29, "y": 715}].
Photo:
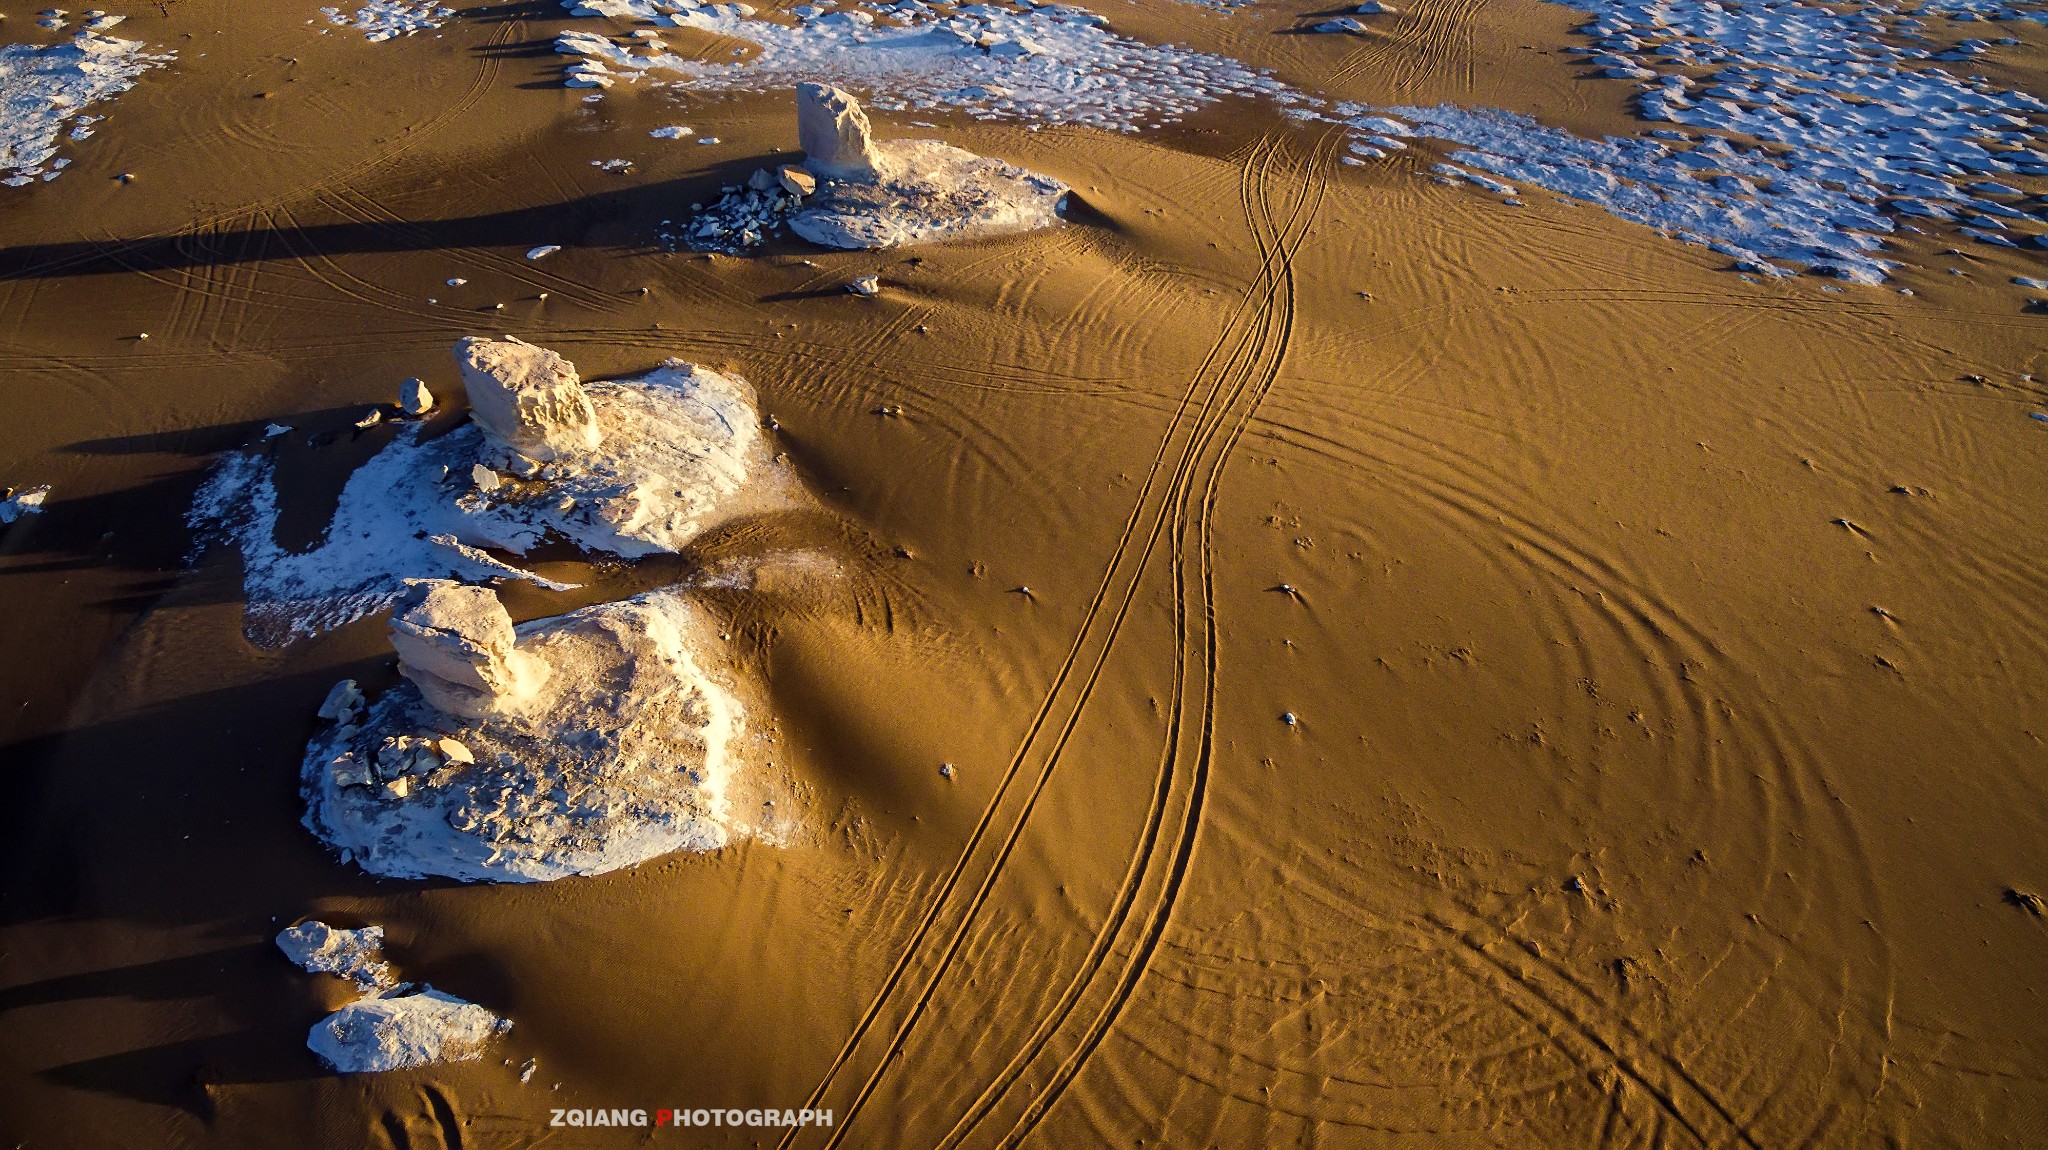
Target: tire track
[
  {"x": 1056, "y": 717},
  {"x": 1262, "y": 354}
]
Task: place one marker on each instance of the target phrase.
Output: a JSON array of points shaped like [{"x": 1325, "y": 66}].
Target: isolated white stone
[
  {"x": 357, "y": 955},
  {"x": 392, "y": 1033},
  {"x": 527, "y": 399},
  {"x": 414, "y": 398},
  {"x": 834, "y": 133},
  {"x": 455, "y": 643}
]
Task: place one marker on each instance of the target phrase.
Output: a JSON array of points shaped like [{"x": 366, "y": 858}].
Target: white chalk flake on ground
[
  {"x": 622, "y": 755},
  {"x": 1049, "y": 65},
  {"x": 676, "y": 441},
  {"x": 386, "y": 19},
  {"x": 1849, "y": 130},
  {"x": 45, "y": 94}
]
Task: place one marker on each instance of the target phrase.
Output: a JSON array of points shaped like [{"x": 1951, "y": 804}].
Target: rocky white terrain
[{"x": 356, "y": 955}]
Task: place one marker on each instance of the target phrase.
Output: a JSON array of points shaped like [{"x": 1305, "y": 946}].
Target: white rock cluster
[
  {"x": 46, "y": 93},
  {"x": 614, "y": 747},
  {"x": 871, "y": 194},
  {"x": 393, "y": 1025},
  {"x": 1046, "y": 64},
  {"x": 627, "y": 467}
]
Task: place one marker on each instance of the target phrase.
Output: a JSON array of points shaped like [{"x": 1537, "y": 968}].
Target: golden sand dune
[{"x": 1409, "y": 668}]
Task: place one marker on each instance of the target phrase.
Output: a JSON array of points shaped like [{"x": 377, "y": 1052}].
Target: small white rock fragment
[
  {"x": 456, "y": 751},
  {"x": 414, "y": 398},
  {"x": 484, "y": 478},
  {"x": 865, "y": 285},
  {"x": 795, "y": 180},
  {"x": 543, "y": 251}
]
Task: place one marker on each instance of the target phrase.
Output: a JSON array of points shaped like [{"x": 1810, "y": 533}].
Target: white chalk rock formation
[
  {"x": 397, "y": 1031},
  {"x": 527, "y": 399},
  {"x": 357, "y": 955},
  {"x": 623, "y": 754},
  {"x": 833, "y": 131},
  {"x": 455, "y": 643},
  {"x": 677, "y": 451},
  {"x": 677, "y": 443},
  {"x": 882, "y": 194}
]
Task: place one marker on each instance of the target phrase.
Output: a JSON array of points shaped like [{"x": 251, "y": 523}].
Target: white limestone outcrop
[
  {"x": 455, "y": 643},
  {"x": 527, "y": 399}
]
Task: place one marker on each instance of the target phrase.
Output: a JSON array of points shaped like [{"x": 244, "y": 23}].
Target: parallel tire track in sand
[
  {"x": 1252, "y": 368},
  {"x": 1243, "y": 363}
]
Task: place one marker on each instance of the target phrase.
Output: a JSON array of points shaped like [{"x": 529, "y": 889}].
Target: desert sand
[{"x": 1298, "y": 653}]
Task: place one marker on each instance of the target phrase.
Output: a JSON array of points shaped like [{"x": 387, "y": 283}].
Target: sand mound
[{"x": 620, "y": 757}]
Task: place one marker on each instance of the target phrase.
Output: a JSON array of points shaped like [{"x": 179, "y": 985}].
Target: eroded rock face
[
  {"x": 527, "y": 399},
  {"x": 456, "y": 644},
  {"x": 834, "y": 133},
  {"x": 392, "y": 1033}
]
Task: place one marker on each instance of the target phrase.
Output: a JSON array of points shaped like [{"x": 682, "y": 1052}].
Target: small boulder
[
  {"x": 414, "y": 398},
  {"x": 527, "y": 399},
  {"x": 344, "y": 699},
  {"x": 762, "y": 180},
  {"x": 865, "y": 285}
]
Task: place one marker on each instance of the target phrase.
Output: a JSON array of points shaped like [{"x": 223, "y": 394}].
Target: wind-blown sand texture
[{"x": 1447, "y": 649}]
